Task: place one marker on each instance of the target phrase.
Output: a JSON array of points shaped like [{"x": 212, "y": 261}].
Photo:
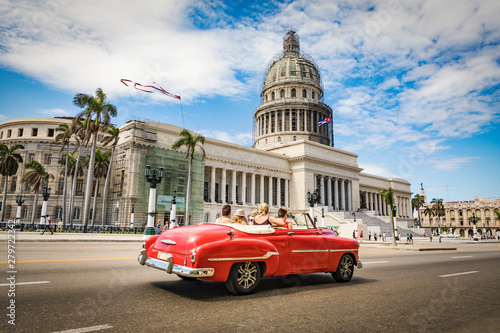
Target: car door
[{"x": 308, "y": 249}]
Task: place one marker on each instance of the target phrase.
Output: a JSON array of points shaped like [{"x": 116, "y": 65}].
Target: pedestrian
[
  {"x": 411, "y": 238},
  {"x": 440, "y": 236},
  {"x": 369, "y": 235},
  {"x": 383, "y": 236},
  {"x": 407, "y": 238},
  {"x": 158, "y": 227},
  {"x": 361, "y": 236},
  {"x": 430, "y": 237},
  {"x": 375, "y": 235},
  {"x": 354, "y": 234},
  {"x": 47, "y": 225}
]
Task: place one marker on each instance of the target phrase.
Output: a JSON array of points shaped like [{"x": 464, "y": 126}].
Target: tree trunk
[
  {"x": 65, "y": 189},
  {"x": 188, "y": 190},
  {"x": 105, "y": 192},
  {"x": 95, "y": 201},
  {"x": 4, "y": 198},
  {"x": 35, "y": 204},
  {"x": 88, "y": 188},
  {"x": 73, "y": 188}
]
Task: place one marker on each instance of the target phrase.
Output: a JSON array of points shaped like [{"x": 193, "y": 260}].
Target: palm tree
[
  {"x": 429, "y": 210},
  {"x": 75, "y": 169},
  {"x": 98, "y": 113},
  {"x": 36, "y": 177},
  {"x": 100, "y": 170},
  {"x": 9, "y": 163},
  {"x": 439, "y": 211},
  {"x": 79, "y": 129},
  {"x": 64, "y": 137},
  {"x": 417, "y": 202},
  {"x": 388, "y": 196},
  {"x": 111, "y": 138},
  {"x": 190, "y": 142}
]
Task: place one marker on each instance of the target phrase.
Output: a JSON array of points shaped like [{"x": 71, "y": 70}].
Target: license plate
[{"x": 163, "y": 255}]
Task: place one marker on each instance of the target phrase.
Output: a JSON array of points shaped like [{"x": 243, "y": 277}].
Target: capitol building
[{"x": 290, "y": 156}]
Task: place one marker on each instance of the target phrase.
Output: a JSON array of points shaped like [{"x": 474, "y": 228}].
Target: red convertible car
[{"x": 241, "y": 255}]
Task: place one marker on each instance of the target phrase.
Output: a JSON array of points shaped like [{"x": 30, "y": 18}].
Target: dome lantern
[{"x": 291, "y": 43}]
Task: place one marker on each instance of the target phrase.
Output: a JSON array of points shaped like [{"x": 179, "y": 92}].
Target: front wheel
[
  {"x": 243, "y": 278},
  {"x": 345, "y": 269}
]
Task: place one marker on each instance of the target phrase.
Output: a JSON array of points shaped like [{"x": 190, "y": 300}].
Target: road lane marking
[
  {"x": 374, "y": 262},
  {"x": 87, "y": 329},
  {"x": 461, "y": 257},
  {"x": 22, "y": 283},
  {"x": 65, "y": 260},
  {"x": 463, "y": 273}
]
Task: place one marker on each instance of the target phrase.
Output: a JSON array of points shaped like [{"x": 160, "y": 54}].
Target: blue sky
[{"x": 413, "y": 84}]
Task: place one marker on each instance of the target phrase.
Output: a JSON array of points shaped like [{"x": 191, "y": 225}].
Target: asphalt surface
[{"x": 99, "y": 286}]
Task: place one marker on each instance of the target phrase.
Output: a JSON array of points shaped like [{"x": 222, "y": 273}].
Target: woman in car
[{"x": 265, "y": 219}]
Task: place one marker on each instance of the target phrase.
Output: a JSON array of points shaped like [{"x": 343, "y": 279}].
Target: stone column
[
  {"x": 252, "y": 195},
  {"x": 342, "y": 195},
  {"x": 287, "y": 204},
  {"x": 278, "y": 192},
  {"x": 271, "y": 202},
  {"x": 212, "y": 186},
  {"x": 233, "y": 188},
  {"x": 349, "y": 196},
  {"x": 291, "y": 119},
  {"x": 329, "y": 190},
  {"x": 315, "y": 182},
  {"x": 244, "y": 188},
  {"x": 336, "y": 192},
  {"x": 322, "y": 189},
  {"x": 305, "y": 120},
  {"x": 223, "y": 186},
  {"x": 261, "y": 189}
]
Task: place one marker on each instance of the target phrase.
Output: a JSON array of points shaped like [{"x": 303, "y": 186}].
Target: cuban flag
[{"x": 324, "y": 121}]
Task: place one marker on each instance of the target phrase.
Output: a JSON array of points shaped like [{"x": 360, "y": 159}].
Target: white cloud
[
  {"x": 238, "y": 138},
  {"x": 55, "y": 112},
  {"x": 453, "y": 163}
]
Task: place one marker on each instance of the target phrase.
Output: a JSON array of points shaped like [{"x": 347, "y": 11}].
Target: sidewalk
[
  {"x": 27, "y": 236},
  {"x": 423, "y": 244}
]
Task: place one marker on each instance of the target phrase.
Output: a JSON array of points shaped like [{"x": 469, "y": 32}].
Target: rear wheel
[
  {"x": 345, "y": 269},
  {"x": 243, "y": 278}
]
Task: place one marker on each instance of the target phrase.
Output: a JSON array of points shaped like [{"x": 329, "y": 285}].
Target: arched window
[
  {"x": 282, "y": 93},
  {"x": 304, "y": 93},
  {"x": 265, "y": 97},
  {"x": 294, "y": 92},
  {"x": 279, "y": 138},
  {"x": 59, "y": 213},
  {"x": 313, "y": 95},
  {"x": 76, "y": 214},
  {"x": 206, "y": 217},
  {"x": 272, "y": 95},
  {"x": 294, "y": 138},
  {"x": 117, "y": 214}
]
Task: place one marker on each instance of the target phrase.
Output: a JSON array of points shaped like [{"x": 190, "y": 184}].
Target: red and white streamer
[{"x": 149, "y": 88}]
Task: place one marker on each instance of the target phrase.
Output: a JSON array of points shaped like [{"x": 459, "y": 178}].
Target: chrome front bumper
[
  {"x": 359, "y": 264},
  {"x": 169, "y": 266}
]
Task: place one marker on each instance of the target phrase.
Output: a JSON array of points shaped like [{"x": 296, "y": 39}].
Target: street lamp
[
  {"x": 173, "y": 210},
  {"x": 312, "y": 199},
  {"x": 20, "y": 200},
  {"x": 46, "y": 194},
  {"x": 473, "y": 219},
  {"x": 395, "y": 231},
  {"x": 153, "y": 180}
]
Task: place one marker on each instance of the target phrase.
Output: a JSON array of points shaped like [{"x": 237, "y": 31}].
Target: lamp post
[
  {"x": 395, "y": 231},
  {"x": 473, "y": 219},
  {"x": 153, "y": 180},
  {"x": 20, "y": 200},
  {"x": 132, "y": 217},
  {"x": 312, "y": 199},
  {"x": 173, "y": 211},
  {"x": 322, "y": 217},
  {"x": 46, "y": 194}
]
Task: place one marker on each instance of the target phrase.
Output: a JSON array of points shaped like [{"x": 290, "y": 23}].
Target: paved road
[{"x": 101, "y": 285}]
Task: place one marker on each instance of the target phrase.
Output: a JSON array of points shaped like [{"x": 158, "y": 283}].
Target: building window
[
  {"x": 48, "y": 159},
  {"x": 24, "y": 212},
  {"x": 282, "y": 93},
  {"x": 206, "y": 196},
  {"x": 304, "y": 93},
  {"x": 20, "y": 132},
  {"x": 13, "y": 184},
  {"x": 79, "y": 186},
  {"x": 294, "y": 92},
  {"x": 1, "y": 135},
  {"x": 60, "y": 187},
  {"x": 26, "y": 186},
  {"x": 216, "y": 192},
  {"x": 34, "y": 132},
  {"x": 206, "y": 217},
  {"x": 294, "y": 138},
  {"x": 50, "y": 132},
  {"x": 76, "y": 214},
  {"x": 279, "y": 138},
  {"x": 9, "y": 133},
  {"x": 272, "y": 95},
  {"x": 31, "y": 157},
  {"x": 313, "y": 95},
  {"x": 59, "y": 213}
]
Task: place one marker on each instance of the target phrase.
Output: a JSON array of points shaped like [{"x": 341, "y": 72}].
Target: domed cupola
[{"x": 292, "y": 94}]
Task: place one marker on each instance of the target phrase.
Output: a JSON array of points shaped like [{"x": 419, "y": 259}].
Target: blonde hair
[
  {"x": 263, "y": 208},
  {"x": 238, "y": 219}
]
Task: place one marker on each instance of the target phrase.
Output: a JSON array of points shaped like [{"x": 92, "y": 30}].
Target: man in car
[{"x": 226, "y": 215}]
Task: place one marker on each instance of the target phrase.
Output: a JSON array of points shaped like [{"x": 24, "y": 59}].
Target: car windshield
[{"x": 300, "y": 220}]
